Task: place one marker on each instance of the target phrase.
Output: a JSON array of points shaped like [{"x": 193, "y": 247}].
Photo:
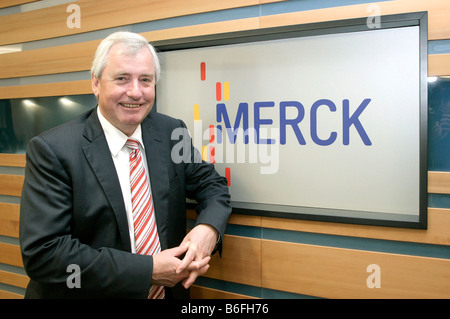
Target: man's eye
[{"x": 121, "y": 79}]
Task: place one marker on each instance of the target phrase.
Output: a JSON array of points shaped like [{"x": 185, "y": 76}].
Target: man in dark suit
[{"x": 76, "y": 205}]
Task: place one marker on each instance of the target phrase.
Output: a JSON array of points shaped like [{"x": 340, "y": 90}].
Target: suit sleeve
[{"x": 48, "y": 247}]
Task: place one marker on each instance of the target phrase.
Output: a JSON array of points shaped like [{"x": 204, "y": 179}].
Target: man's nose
[{"x": 134, "y": 90}]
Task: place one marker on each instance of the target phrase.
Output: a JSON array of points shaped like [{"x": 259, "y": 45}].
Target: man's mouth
[{"x": 130, "y": 105}]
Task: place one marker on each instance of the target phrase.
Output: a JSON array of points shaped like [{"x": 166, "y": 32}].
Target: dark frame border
[{"x": 419, "y": 19}]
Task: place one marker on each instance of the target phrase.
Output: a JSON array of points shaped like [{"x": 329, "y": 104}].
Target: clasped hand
[{"x": 169, "y": 268}]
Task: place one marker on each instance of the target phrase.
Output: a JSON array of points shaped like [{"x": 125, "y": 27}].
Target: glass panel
[
  {"x": 439, "y": 125},
  {"x": 21, "y": 119}
]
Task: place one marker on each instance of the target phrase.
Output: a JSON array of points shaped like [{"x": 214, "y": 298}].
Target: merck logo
[
  {"x": 348, "y": 121},
  {"x": 233, "y": 139}
]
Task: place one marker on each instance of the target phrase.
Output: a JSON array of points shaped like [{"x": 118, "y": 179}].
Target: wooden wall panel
[
  {"x": 13, "y": 279},
  {"x": 246, "y": 220},
  {"x": 438, "y": 13},
  {"x": 203, "y": 29},
  {"x": 46, "y": 89},
  {"x": 9, "y": 295},
  {"x": 101, "y": 14},
  {"x": 9, "y": 220},
  {"x": 439, "y": 64},
  {"x": 11, "y": 3},
  {"x": 78, "y": 56},
  {"x": 12, "y": 160},
  {"x": 437, "y": 232},
  {"x": 342, "y": 273},
  {"x": 11, "y": 185},
  {"x": 10, "y": 255},
  {"x": 439, "y": 182},
  {"x": 60, "y": 59},
  {"x": 240, "y": 261},
  {"x": 198, "y": 292}
]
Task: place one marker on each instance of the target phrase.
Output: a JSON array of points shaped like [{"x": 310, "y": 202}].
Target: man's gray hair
[{"x": 132, "y": 42}]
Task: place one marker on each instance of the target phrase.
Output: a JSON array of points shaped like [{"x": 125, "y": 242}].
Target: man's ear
[{"x": 95, "y": 83}]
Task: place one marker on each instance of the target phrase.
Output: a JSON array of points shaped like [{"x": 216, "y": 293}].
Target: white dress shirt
[{"x": 121, "y": 157}]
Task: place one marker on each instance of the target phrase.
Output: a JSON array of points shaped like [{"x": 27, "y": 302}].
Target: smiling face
[{"x": 126, "y": 88}]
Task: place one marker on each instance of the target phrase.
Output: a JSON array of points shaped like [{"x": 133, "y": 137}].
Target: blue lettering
[
  {"x": 219, "y": 134},
  {"x": 259, "y": 121},
  {"x": 314, "y": 135},
  {"x": 292, "y": 122},
  {"x": 242, "y": 113},
  {"x": 242, "y": 116},
  {"x": 348, "y": 121}
]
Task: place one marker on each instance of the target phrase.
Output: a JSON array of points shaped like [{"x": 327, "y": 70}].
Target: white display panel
[{"x": 341, "y": 111}]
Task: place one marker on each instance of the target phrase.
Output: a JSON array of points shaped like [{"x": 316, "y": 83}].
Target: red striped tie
[{"x": 146, "y": 234}]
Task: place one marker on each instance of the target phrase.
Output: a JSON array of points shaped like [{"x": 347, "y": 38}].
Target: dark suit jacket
[{"x": 72, "y": 209}]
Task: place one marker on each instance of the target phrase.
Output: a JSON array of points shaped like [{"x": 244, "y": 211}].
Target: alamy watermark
[
  {"x": 74, "y": 279},
  {"x": 374, "y": 279},
  {"x": 224, "y": 147},
  {"x": 73, "y": 21},
  {"x": 374, "y": 19}
]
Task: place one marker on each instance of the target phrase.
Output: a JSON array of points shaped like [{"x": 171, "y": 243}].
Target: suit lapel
[
  {"x": 98, "y": 155},
  {"x": 155, "y": 152}
]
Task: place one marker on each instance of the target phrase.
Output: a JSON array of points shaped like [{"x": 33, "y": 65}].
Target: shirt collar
[{"x": 115, "y": 138}]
